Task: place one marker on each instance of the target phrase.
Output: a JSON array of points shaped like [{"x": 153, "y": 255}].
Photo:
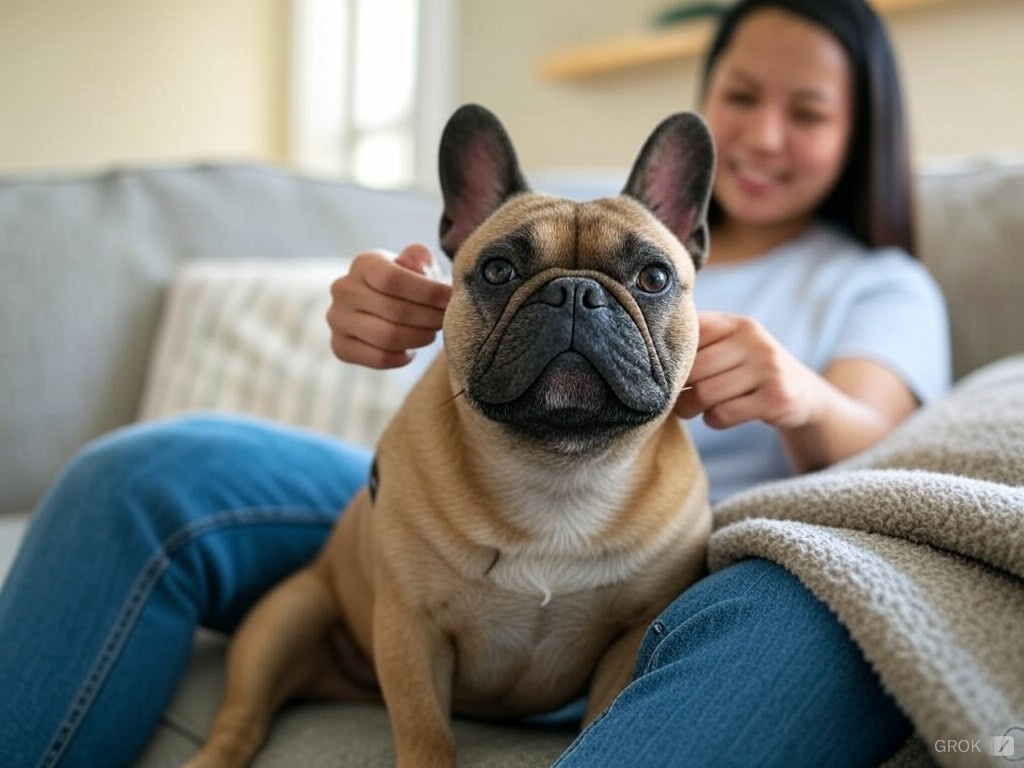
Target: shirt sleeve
[{"x": 896, "y": 316}]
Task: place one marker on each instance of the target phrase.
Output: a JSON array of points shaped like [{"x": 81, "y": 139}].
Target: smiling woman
[
  {"x": 781, "y": 136},
  {"x": 794, "y": 90}
]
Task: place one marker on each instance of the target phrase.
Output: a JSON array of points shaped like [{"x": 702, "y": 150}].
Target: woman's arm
[
  {"x": 741, "y": 373},
  {"x": 860, "y": 402}
]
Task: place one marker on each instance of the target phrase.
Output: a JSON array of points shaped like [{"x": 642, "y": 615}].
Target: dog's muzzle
[{"x": 571, "y": 352}]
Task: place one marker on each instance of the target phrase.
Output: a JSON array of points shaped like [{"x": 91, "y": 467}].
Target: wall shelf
[{"x": 673, "y": 43}]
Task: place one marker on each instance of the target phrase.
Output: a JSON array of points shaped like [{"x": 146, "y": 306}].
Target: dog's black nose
[{"x": 582, "y": 292}]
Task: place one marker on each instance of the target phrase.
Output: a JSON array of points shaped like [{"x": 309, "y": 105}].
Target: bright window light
[
  {"x": 385, "y": 72},
  {"x": 384, "y": 159},
  {"x": 370, "y": 87}
]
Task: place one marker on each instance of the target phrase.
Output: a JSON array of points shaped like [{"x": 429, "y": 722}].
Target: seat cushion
[{"x": 315, "y": 734}]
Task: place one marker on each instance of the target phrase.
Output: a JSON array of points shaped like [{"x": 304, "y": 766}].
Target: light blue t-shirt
[{"x": 824, "y": 297}]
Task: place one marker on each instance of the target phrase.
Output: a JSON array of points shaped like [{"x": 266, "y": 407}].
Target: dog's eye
[
  {"x": 499, "y": 271},
  {"x": 653, "y": 278}
]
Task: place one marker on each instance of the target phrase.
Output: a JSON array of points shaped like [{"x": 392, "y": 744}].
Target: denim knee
[
  {"x": 725, "y": 597},
  {"x": 229, "y": 505},
  {"x": 174, "y": 471},
  {"x": 750, "y": 649},
  {"x": 139, "y": 471}
]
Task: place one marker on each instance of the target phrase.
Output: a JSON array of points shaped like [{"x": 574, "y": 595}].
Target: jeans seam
[
  {"x": 572, "y": 748},
  {"x": 149, "y": 576}
]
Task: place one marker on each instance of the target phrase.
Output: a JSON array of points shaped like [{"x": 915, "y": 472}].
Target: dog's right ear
[
  {"x": 672, "y": 177},
  {"x": 479, "y": 171}
]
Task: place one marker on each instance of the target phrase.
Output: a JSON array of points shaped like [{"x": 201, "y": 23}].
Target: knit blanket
[{"x": 917, "y": 546}]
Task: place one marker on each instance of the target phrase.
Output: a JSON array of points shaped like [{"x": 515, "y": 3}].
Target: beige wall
[
  {"x": 94, "y": 82},
  {"x": 963, "y": 67}
]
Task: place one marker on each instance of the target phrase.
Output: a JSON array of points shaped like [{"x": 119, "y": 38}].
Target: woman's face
[{"x": 780, "y": 107}]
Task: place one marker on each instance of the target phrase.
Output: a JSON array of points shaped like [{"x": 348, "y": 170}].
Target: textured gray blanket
[{"x": 918, "y": 547}]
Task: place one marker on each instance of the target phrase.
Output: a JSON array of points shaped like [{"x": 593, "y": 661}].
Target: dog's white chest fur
[{"x": 564, "y": 511}]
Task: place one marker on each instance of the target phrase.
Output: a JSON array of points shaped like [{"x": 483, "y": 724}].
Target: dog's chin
[{"x": 570, "y": 409}]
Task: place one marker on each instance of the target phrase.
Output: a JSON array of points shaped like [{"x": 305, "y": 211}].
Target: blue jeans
[
  {"x": 746, "y": 668},
  {"x": 157, "y": 529}
]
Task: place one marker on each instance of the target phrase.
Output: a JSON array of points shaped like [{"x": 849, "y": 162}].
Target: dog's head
[{"x": 572, "y": 324}]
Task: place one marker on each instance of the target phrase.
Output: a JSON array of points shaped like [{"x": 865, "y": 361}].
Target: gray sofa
[{"x": 85, "y": 265}]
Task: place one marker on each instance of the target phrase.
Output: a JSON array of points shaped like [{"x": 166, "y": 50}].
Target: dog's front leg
[
  {"x": 415, "y": 663},
  {"x": 613, "y": 672},
  {"x": 281, "y": 649}
]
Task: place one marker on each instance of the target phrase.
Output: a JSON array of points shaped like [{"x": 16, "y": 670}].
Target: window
[{"x": 371, "y": 85}]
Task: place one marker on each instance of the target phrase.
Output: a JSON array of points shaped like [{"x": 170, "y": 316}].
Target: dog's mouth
[
  {"x": 569, "y": 390},
  {"x": 570, "y": 383},
  {"x": 570, "y": 407}
]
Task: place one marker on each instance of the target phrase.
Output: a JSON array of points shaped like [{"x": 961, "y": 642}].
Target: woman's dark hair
[{"x": 873, "y": 199}]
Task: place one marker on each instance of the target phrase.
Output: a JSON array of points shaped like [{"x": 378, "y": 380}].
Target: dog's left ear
[
  {"x": 672, "y": 177},
  {"x": 479, "y": 171}
]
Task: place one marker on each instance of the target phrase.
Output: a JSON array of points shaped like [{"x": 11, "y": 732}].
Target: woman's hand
[
  {"x": 741, "y": 373},
  {"x": 385, "y": 307}
]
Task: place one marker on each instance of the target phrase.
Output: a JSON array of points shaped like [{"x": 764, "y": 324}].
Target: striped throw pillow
[{"x": 250, "y": 337}]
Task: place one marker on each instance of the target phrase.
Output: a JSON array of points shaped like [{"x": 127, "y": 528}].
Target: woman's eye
[
  {"x": 807, "y": 117},
  {"x": 499, "y": 271},
  {"x": 653, "y": 278},
  {"x": 740, "y": 98}
]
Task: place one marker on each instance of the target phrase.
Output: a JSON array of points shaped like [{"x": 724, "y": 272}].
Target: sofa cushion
[
  {"x": 331, "y": 735},
  {"x": 249, "y": 336}
]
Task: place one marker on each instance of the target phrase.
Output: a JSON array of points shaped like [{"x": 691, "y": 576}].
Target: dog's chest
[
  {"x": 512, "y": 654},
  {"x": 565, "y": 586},
  {"x": 540, "y": 573},
  {"x": 565, "y": 550}
]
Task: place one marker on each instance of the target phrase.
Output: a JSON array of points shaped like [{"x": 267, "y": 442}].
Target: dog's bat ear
[
  {"x": 478, "y": 170},
  {"x": 672, "y": 177}
]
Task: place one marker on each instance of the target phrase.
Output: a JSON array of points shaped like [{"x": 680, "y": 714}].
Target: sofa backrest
[
  {"x": 971, "y": 236},
  {"x": 85, "y": 260}
]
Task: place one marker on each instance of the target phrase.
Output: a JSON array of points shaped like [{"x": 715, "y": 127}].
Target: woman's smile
[{"x": 754, "y": 180}]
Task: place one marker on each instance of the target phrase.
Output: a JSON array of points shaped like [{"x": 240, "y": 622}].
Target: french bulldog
[{"x": 534, "y": 504}]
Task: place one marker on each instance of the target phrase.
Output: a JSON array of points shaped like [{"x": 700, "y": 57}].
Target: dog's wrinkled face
[
  {"x": 574, "y": 320},
  {"x": 571, "y": 324}
]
